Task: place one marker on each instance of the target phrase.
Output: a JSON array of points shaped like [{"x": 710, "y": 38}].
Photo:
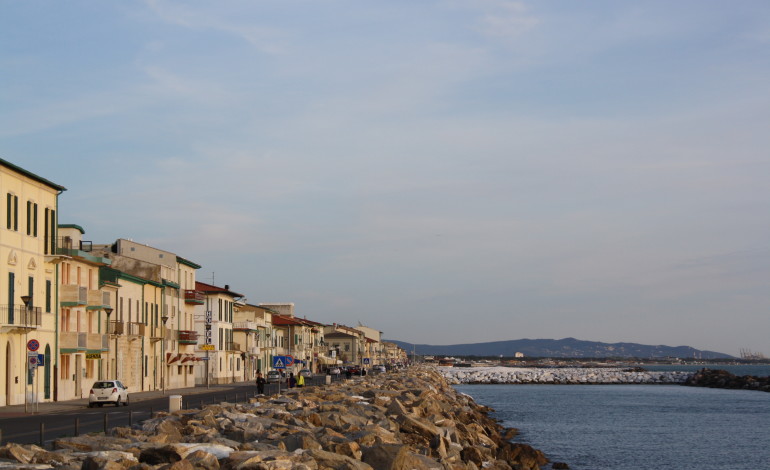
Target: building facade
[{"x": 28, "y": 280}]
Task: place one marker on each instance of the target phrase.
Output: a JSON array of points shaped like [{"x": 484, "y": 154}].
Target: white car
[
  {"x": 306, "y": 373},
  {"x": 108, "y": 391}
]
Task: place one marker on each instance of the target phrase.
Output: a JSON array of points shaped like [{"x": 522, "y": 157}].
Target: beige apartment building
[
  {"x": 83, "y": 305},
  {"x": 253, "y": 331},
  {"x": 152, "y": 344},
  {"x": 214, "y": 319},
  {"x": 28, "y": 281}
]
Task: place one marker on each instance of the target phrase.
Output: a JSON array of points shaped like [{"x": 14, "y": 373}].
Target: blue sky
[{"x": 445, "y": 171}]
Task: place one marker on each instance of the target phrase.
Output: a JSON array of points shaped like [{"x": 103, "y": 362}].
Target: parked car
[
  {"x": 274, "y": 377},
  {"x": 378, "y": 369},
  {"x": 335, "y": 371},
  {"x": 108, "y": 391},
  {"x": 306, "y": 373}
]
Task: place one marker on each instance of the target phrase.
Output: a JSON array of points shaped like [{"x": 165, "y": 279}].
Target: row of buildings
[{"x": 73, "y": 312}]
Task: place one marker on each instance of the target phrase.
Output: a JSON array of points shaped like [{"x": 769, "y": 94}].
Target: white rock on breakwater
[{"x": 567, "y": 375}]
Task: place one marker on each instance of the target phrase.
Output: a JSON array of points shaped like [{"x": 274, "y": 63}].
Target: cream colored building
[
  {"x": 214, "y": 324},
  {"x": 28, "y": 241},
  {"x": 253, "y": 330},
  {"x": 153, "y": 339},
  {"x": 83, "y": 339}
]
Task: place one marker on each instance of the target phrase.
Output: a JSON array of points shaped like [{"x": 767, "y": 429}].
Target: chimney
[{"x": 227, "y": 287}]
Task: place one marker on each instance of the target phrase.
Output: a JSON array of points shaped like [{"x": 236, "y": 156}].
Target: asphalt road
[{"x": 49, "y": 421}]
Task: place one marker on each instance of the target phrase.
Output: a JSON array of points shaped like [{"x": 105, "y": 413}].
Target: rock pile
[
  {"x": 398, "y": 421},
  {"x": 566, "y": 375},
  {"x": 723, "y": 379}
]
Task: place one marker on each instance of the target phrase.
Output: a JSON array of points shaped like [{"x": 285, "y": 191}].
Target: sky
[{"x": 447, "y": 172}]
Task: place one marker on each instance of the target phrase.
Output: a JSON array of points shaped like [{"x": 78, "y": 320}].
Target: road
[{"x": 59, "y": 419}]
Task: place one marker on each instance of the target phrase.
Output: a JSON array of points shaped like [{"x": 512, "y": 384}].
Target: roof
[
  {"x": 337, "y": 334},
  {"x": 31, "y": 175},
  {"x": 283, "y": 320},
  {"x": 209, "y": 289},
  {"x": 187, "y": 262}
]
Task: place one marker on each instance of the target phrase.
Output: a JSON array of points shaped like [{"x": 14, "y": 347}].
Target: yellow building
[{"x": 28, "y": 307}]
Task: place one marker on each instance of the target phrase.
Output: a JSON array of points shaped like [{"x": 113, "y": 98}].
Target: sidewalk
[{"x": 12, "y": 411}]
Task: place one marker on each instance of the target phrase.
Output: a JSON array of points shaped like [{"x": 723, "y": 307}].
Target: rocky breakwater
[
  {"x": 398, "y": 421},
  {"x": 573, "y": 375},
  {"x": 723, "y": 379}
]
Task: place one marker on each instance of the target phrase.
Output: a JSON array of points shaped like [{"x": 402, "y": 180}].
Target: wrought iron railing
[{"x": 20, "y": 316}]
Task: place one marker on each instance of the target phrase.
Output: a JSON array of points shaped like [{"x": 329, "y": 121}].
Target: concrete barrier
[{"x": 174, "y": 403}]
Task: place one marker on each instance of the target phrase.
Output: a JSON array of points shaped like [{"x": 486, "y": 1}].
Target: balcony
[
  {"x": 194, "y": 297},
  {"x": 188, "y": 337},
  {"x": 233, "y": 346},
  {"x": 136, "y": 329},
  {"x": 116, "y": 327},
  {"x": 71, "y": 295},
  {"x": 20, "y": 317},
  {"x": 245, "y": 326},
  {"x": 73, "y": 340},
  {"x": 98, "y": 299}
]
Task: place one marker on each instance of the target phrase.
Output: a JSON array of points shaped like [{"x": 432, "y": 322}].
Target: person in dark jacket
[
  {"x": 292, "y": 380},
  {"x": 260, "y": 383}
]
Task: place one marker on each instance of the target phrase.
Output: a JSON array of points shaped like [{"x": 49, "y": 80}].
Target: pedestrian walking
[{"x": 260, "y": 384}]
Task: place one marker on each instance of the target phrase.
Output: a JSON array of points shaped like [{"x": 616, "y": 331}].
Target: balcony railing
[
  {"x": 116, "y": 327},
  {"x": 194, "y": 297},
  {"x": 188, "y": 337},
  {"x": 97, "y": 297},
  {"x": 136, "y": 329},
  {"x": 72, "y": 294},
  {"x": 245, "y": 325},
  {"x": 20, "y": 316},
  {"x": 66, "y": 245},
  {"x": 233, "y": 346},
  {"x": 72, "y": 340}
]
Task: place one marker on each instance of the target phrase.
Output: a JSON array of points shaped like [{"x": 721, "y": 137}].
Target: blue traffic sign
[
  {"x": 279, "y": 362},
  {"x": 366, "y": 360}
]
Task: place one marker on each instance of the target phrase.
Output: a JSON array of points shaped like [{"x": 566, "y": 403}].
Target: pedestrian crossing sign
[{"x": 279, "y": 362}]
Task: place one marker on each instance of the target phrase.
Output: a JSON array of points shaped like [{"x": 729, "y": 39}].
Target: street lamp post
[
  {"x": 27, "y": 299},
  {"x": 163, "y": 372},
  {"x": 108, "y": 311}
]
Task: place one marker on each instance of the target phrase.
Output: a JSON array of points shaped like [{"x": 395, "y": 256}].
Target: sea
[{"x": 613, "y": 427}]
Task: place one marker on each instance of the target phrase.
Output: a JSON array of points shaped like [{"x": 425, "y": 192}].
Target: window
[
  {"x": 12, "y": 212},
  {"x": 65, "y": 367},
  {"x": 48, "y": 296}
]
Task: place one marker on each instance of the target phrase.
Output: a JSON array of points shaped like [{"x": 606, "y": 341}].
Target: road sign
[
  {"x": 279, "y": 362},
  {"x": 32, "y": 361},
  {"x": 289, "y": 360},
  {"x": 33, "y": 345},
  {"x": 41, "y": 360},
  {"x": 366, "y": 360}
]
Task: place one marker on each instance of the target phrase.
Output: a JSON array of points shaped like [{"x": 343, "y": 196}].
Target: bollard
[
  {"x": 105, "y": 423},
  {"x": 328, "y": 379},
  {"x": 42, "y": 434},
  {"x": 130, "y": 418},
  {"x": 77, "y": 427},
  {"x": 174, "y": 403},
  {"x": 201, "y": 403}
]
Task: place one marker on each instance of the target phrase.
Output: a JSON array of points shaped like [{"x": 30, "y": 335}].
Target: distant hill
[{"x": 567, "y": 347}]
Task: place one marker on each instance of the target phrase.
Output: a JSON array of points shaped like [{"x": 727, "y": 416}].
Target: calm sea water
[{"x": 595, "y": 427}]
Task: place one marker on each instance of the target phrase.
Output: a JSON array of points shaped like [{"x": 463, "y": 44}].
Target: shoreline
[{"x": 413, "y": 419}]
